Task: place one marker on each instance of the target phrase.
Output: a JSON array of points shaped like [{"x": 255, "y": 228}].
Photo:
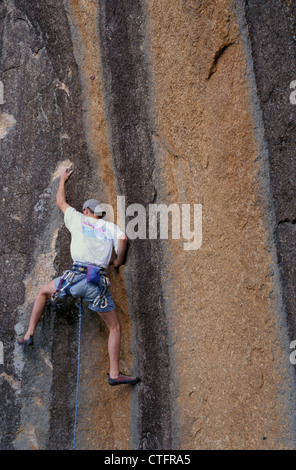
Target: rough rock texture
[
  {"x": 273, "y": 35},
  {"x": 165, "y": 102}
]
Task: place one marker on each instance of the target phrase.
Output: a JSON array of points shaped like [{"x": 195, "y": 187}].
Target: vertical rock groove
[
  {"x": 271, "y": 34},
  {"x": 126, "y": 93}
]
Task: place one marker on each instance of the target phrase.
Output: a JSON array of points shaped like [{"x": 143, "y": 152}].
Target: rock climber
[{"x": 92, "y": 243}]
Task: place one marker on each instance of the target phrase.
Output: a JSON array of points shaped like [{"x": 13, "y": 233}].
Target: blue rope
[{"x": 78, "y": 371}]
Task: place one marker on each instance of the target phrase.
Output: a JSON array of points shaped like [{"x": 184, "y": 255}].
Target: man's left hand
[{"x": 65, "y": 173}]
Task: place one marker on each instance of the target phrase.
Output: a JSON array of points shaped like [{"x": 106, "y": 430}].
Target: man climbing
[{"x": 92, "y": 242}]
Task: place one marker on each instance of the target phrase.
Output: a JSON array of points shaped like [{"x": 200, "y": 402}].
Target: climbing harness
[
  {"x": 95, "y": 275},
  {"x": 79, "y": 304}
]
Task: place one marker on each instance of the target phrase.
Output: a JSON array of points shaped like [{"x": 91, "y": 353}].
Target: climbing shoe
[
  {"x": 26, "y": 342},
  {"x": 123, "y": 379}
]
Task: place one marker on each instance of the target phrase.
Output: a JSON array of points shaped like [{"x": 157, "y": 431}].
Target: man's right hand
[
  {"x": 122, "y": 244},
  {"x": 116, "y": 263}
]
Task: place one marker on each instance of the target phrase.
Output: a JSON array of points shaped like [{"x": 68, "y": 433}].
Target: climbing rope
[
  {"x": 79, "y": 304},
  {"x": 100, "y": 300}
]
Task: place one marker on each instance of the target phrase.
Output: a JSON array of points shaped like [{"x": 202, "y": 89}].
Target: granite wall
[{"x": 158, "y": 102}]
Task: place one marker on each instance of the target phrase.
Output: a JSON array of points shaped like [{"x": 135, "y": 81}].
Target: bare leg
[
  {"x": 113, "y": 325},
  {"x": 43, "y": 294}
]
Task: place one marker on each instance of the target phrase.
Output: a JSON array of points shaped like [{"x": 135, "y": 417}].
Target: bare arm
[
  {"x": 121, "y": 248},
  {"x": 61, "y": 196}
]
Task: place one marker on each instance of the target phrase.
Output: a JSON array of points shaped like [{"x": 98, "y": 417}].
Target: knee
[
  {"x": 111, "y": 320},
  {"x": 47, "y": 289},
  {"x": 115, "y": 327},
  {"x": 42, "y": 290}
]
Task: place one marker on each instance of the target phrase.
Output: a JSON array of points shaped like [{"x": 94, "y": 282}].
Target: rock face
[{"x": 172, "y": 103}]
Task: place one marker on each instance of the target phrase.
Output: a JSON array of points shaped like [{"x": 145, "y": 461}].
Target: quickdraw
[
  {"x": 67, "y": 276},
  {"x": 101, "y": 299}
]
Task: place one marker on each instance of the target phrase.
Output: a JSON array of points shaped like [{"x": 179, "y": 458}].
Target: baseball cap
[{"x": 95, "y": 206}]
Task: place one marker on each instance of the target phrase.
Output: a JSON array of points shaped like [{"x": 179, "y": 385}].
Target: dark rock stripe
[
  {"x": 272, "y": 34},
  {"x": 122, "y": 34}
]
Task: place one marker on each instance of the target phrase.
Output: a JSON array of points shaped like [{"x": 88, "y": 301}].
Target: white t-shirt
[{"x": 92, "y": 240}]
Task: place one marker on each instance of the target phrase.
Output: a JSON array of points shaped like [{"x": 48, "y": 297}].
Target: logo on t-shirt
[{"x": 94, "y": 231}]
